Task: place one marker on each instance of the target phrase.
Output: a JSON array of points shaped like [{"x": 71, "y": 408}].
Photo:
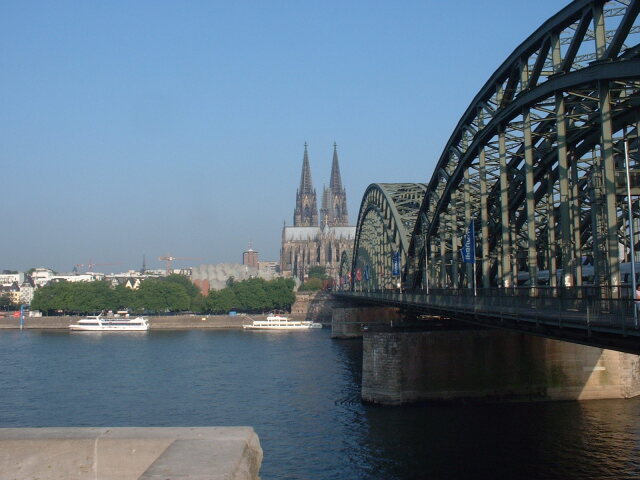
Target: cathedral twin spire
[{"x": 334, "y": 199}]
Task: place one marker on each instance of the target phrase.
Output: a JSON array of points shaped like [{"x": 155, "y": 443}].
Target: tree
[
  {"x": 252, "y": 295},
  {"x": 124, "y": 298},
  {"x": 221, "y": 301},
  {"x": 280, "y": 293},
  {"x": 196, "y": 300},
  {"x": 5, "y": 302},
  {"x": 313, "y": 283},
  {"x": 161, "y": 296},
  {"x": 317, "y": 272}
]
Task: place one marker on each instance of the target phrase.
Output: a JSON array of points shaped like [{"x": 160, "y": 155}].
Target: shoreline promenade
[{"x": 165, "y": 322}]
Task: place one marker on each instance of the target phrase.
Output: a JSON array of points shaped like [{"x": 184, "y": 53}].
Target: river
[{"x": 300, "y": 392}]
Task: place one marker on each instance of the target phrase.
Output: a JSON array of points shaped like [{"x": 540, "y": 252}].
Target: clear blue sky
[{"x": 154, "y": 127}]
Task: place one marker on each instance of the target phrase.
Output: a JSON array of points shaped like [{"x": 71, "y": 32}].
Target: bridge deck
[{"x": 606, "y": 323}]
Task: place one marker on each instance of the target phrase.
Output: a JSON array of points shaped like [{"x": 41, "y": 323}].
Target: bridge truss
[
  {"x": 537, "y": 163},
  {"x": 388, "y": 213}
]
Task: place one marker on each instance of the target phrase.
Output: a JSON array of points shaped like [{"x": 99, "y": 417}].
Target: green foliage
[
  {"x": 311, "y": 284},
  {"x": 189, "y": 287},
  {"x": 74, "y": 297},
  {"x": 171, "y": 294},
  {"x": 253, "y": 295},
  {"x": 318, "y": 272},
  {"x": 196, "y": 300},
  {"x": 5, "y": 302},
  {"x": 162, "y": 296},
  {"x": 221, "y": 301}
]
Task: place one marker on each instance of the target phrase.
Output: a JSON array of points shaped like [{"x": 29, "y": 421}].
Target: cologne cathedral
[{"x": 317, "y": 240}]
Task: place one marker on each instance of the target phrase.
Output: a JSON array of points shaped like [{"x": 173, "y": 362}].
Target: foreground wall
[
  {"x": 130, "y": 453},
  {"x": 402, "y": 367}
]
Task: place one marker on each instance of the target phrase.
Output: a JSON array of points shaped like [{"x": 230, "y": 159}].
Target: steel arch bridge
[
  {"x": 536, "y": 163},
  {"x": 386, "y": 219}
]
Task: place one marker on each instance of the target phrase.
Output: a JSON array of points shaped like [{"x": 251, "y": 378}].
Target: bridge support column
[
  {"x": 408, "y": 366},
  {"x": 350, "y": 322}
]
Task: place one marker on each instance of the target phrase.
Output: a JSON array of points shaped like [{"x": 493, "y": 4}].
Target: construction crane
[{"x": 169, "y": 259}]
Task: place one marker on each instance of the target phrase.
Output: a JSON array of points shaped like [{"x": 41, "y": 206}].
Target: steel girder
[
  {"x": 387, "y": 216},
  {"x": 534, "y": 160}
]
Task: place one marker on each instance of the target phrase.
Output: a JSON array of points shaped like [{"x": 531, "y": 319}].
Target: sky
[{"x": 157, "y": 127}]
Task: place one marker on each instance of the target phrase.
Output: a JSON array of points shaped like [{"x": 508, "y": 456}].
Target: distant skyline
[{"x": 169, "y": 127}]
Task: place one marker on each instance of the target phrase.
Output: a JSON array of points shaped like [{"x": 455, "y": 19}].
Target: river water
[{"x": 300, "y": 392}]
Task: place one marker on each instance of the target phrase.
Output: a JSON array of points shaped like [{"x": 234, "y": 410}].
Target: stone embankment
[
  {"x": 168, "y": 322},
  {"x": 130, "y": 453}
]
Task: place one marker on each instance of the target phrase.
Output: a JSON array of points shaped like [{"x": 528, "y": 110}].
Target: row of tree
[
  {"x": 317, "y": 279},
  {"x": 174, "y": 293}
]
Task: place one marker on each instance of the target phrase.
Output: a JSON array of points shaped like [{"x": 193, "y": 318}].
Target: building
[
  {"x": 12, "y": 292},
  {"x": 41, "y": 276},
  {"x": 271, "y": 268},
  {"x": 250, "y": 257},
  {"x": 215, "y": 277},
  {"x": 8, "y": 279},
  {"x": 313, "y": 241},
  {"x": 26, "y": 291}
]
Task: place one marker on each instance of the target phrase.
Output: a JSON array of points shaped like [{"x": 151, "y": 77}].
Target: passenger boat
[
  {"x": 277, "y": 321},
  {"x": 103, "y": 324}
]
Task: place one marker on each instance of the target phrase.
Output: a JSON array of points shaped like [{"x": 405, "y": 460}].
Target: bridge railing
[{"x": 578, "y": 309}]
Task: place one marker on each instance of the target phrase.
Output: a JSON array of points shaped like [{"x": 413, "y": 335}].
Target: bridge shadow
[{"x": 522, "y": 440}]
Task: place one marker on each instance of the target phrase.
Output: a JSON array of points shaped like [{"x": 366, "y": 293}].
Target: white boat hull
[
  {"x": 81, "y": 328},
  {"x": 277, "y": 327},
  {"x": 98, "y": 324}
]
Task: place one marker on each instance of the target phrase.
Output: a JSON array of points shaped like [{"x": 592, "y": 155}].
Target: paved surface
[{"x": 130, "y": 453}]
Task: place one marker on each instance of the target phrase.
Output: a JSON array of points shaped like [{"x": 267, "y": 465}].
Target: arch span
[
  {"x": 537, "y": 162},
  {"x": 387, "y": 216}
]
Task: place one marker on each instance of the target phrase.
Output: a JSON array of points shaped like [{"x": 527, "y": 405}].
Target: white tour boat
[
  {"x": 279, "y": 322},
  {"x": 102, "y": 324}
]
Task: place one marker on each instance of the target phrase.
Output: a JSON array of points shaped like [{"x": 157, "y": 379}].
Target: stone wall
[
  {"x": 316, "y": 306},
  {"x": 351, "y": 322},
  {"x": 403, "y": 367}
]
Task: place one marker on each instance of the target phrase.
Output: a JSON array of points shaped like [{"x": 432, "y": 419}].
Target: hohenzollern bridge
[{"x": 530, "y": 219}]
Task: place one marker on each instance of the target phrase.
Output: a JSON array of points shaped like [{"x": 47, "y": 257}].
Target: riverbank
[{"x": 166, "y": 322}]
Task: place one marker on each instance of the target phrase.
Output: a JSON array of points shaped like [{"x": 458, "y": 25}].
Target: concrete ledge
[{"x": 130, "y": 453}]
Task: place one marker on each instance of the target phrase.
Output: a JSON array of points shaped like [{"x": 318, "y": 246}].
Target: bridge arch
[
  {"x": 537, "y": 162},
  {"x": 386, "y": 219}
]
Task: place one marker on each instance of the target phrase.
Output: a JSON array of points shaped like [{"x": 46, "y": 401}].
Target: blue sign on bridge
[
  {"x": 395, "y": 264},
  {"x": 468, "y": 250}
]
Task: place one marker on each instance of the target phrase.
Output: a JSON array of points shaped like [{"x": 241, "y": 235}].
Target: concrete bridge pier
[
  {"x": 351, "y": 322},
  {"x": 402, "y": 366}
]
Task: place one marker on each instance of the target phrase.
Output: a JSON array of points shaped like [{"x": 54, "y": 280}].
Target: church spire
[
  {"x": 335, "y": 185},
  {"x": 306, "y": 185},
  {"x": 334, "y": 199},
  {"x": 306, "y": 212}
]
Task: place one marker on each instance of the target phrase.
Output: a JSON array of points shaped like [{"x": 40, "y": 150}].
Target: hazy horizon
[{"x": 177, "y": 128}]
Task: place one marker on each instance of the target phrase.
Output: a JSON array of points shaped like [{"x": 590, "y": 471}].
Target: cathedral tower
[
  {"x": 334, "y": 199},
  {"x": 306, "y": 212}
]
